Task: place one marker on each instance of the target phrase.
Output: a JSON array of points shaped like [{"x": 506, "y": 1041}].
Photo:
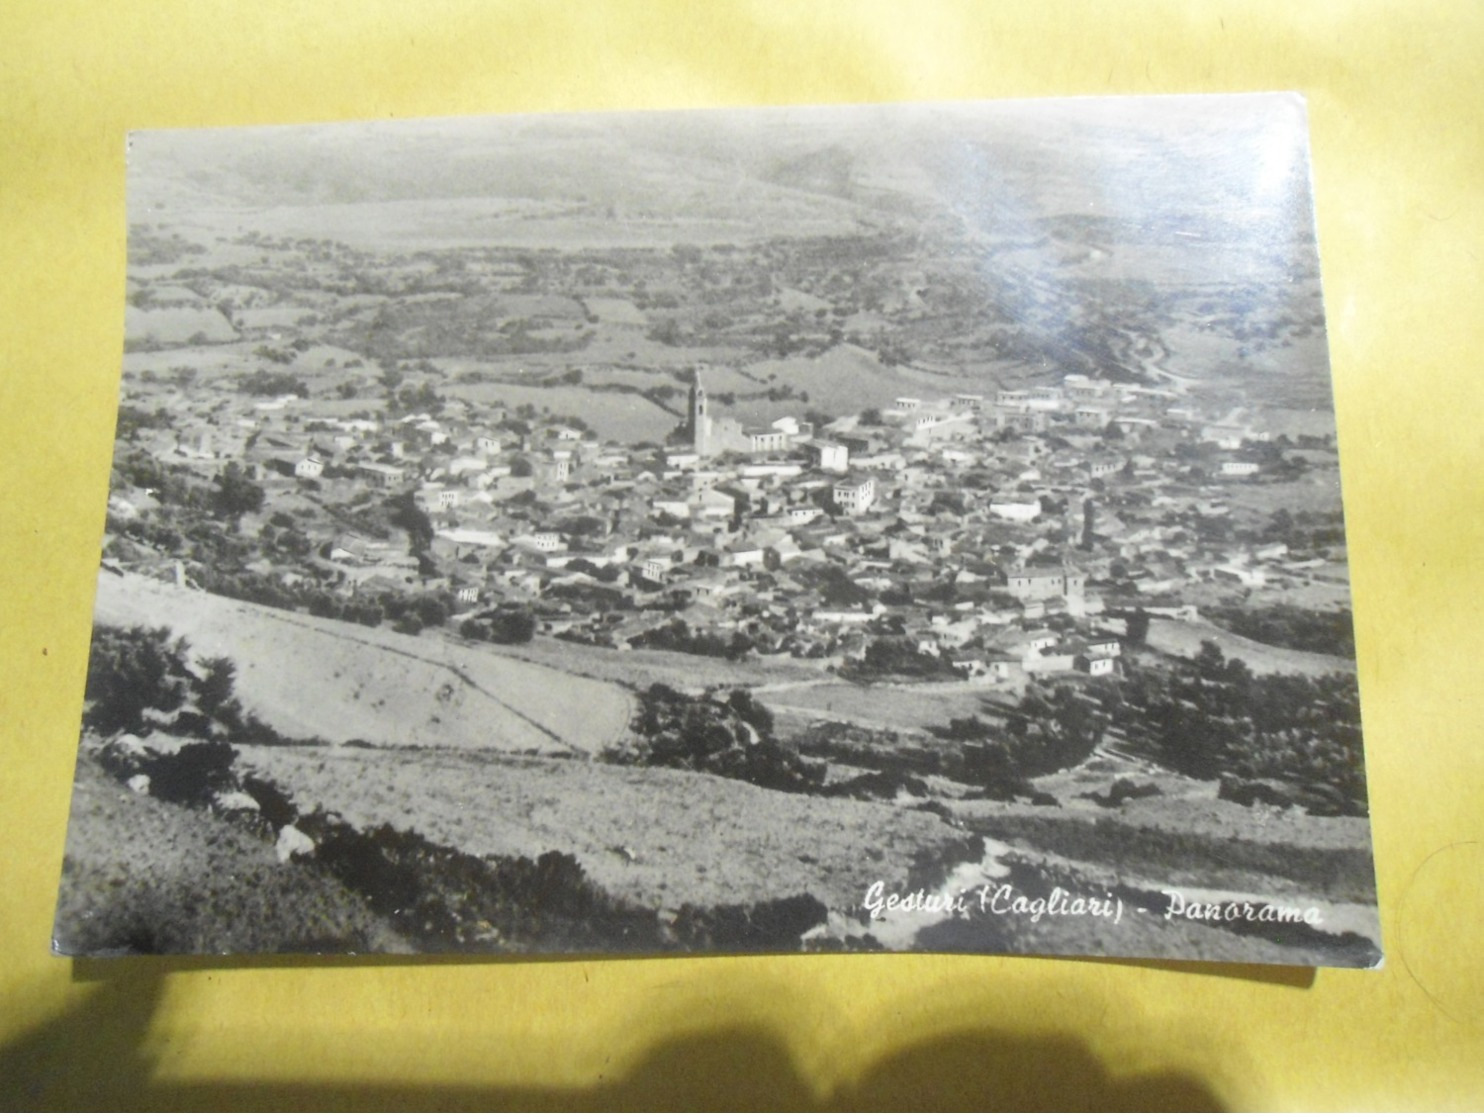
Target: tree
[
  {"x": 421, "y": 398},
  {"x": 750, "y": 710},
  {"x": 666, "y": 332},
  {"x": 218, "y": 676},
  {"x": 581, "y": 525},
  {"x": 413, "y": 520},
  {"x": 1209, "y": 661},
  {"x": 1280, "y": 525},
  {"x": 504, "y": 626},
  {"x": 133, "y": 670},
  {"x": 818, "y": 418},
  {"x": 236, "y": 493}
]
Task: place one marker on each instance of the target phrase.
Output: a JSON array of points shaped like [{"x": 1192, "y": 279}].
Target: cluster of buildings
[{"x": 1007, "y": 534}]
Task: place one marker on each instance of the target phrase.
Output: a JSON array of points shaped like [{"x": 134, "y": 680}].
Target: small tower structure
[{"x": 700, "y": 416}]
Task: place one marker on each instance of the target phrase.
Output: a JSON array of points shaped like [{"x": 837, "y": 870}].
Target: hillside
[
  {"x": 144, "y": 876},
  {"x": 1184, "y": 638},
  {"x": 653, "y": 836},
  {"x": 310, "y": 677},
  {"x": 840, "y": 381}
]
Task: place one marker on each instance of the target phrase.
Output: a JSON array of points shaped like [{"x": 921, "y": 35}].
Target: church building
[{"x": 711, "y": 436}]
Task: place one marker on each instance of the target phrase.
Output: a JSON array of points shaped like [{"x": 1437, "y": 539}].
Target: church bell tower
[{"x": 700, "y": 419}]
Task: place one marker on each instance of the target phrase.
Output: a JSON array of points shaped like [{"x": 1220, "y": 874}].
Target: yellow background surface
[{"x": 1396, "y": 104}]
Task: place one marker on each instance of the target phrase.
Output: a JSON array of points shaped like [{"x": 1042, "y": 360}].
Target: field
[
  {"x": 840, "y": 382},
  {"x": 612, "y": 416},
  {"x": 1183, "y": 638},
  {"x": 651, "y": 835},
  {"x": 901, "y": 707},
  {"x": 1184, "y": 838},
  {"x": 314, "y": 678},
  {"x": 176, "y": 325},
  {"x": 1290, "y": 380},
  {"x": 642, "y": 667},
  {"x": 220, "y": 364},
  {"x": 1317, "y": 493},
  {"x": 410, "y": 225}
]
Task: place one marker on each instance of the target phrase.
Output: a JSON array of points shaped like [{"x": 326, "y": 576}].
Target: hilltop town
[{"x": 994, "y": 537}]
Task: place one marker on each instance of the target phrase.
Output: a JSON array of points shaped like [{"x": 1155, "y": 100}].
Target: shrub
[
  {"x": 730, "y": 737},
  {"x": 772, "y": 925},
  {"x": 895, "y": 656},
  {"x": 133, "y": 670},
  {"x": 503, "y": 626}
]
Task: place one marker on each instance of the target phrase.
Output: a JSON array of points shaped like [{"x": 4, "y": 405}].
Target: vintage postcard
[{"x": 873, "y": 528}]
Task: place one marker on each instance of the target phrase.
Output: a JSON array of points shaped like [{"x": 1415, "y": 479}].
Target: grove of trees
[{"x": 1210, "y": 717}]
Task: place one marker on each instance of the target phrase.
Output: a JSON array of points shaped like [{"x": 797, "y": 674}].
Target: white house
[
  {"x": 831, "y": 456},
  {"x": 1094, "y": 664},
  {"x": 655, "y": 568},
  {"x": 744, "y": 554},
  {"x": 383, "y": 476},
  {"x": 802, "y": 514},
  {"x": 855, "y": 497},
  {"x": 1039, "y": 583},
  {"x": 1015, "y": 511},
  {"x": 679, "y": 509},
  {"x": 460, "y": 466}
]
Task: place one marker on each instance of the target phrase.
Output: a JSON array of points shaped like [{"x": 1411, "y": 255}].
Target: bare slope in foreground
[
  {"x": 142, "y": 876},
  {"x": 655, "y": 836},
  {"x": 311, "y": 677}
]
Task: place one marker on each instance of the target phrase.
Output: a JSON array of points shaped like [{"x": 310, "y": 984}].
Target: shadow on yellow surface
[{"x": 101, "y": 1053}]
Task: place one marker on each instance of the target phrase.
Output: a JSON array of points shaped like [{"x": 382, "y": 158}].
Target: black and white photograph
[{"x": 819, "y": 529}]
